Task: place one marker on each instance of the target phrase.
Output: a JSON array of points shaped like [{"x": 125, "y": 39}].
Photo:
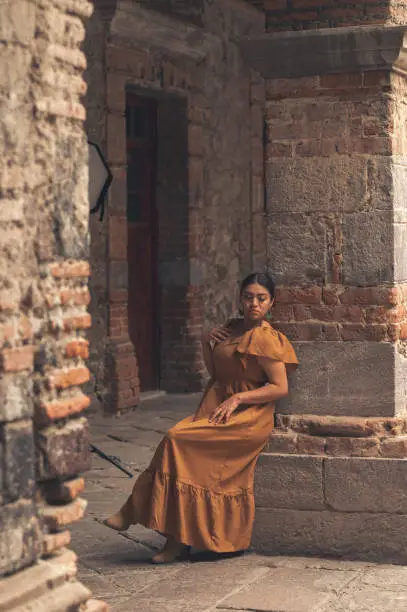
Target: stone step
[
  {"x": 29, "y": 584},
  {"x": 69, "y": 596},
  {"x": 43, "y": 583}
]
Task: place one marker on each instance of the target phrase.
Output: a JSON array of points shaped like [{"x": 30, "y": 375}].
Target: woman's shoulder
[{"x": 265, "y": 341}]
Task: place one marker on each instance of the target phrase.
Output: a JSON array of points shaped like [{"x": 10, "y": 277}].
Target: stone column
[
  {"x": 43, "y": 304},
  {"x": 336, "y": 206}
]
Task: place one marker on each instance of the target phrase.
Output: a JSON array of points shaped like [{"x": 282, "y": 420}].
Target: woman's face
[{"x": 256, "y": 302}]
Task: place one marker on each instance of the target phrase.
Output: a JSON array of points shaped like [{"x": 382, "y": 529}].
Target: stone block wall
[
  {"x": 43, "y": 301},
  {"x": 282, "y": 15},
  {"x": 335, "y": 236},
  {"x": 210, "y": 195}
]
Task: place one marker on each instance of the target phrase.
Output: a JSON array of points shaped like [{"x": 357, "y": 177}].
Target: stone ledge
[
  {"x": 366, "y": 536},
  {"x": 327, "y": 51},
  {"x": 343, "y": 484},
  {"x": 32, "y": 584}
]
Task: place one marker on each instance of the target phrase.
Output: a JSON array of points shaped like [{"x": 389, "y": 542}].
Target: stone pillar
[
  {"x": 336, "y": 207},
  {"x": 44, "y": 216}
]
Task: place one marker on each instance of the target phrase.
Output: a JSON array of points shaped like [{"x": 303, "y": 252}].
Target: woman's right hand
[{"x": 216, "y": 334}]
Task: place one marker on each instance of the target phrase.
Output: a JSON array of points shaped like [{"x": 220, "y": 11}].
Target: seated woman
[{"x": 198, "y": 489}]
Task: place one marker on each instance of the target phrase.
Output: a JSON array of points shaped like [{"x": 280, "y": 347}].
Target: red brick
[
  {"x": 96, "y": 605},
  {"x": 118, "y": 238},
  {"x": 75, "y": 269},
  {"x": 281, "y": 443},
  {"x": 390, "y": 426},
  {"x": 25, "y": 328},
  {"x": 195, "y": 140},
  {"x": 302, "y": 332},
  {"x": 78, "y": 297},
  {"x": 77, "y": 322},
  {"x": 60, "y": 409},
  {"x": 118, "y": 296},
  {"x": 353, "y": 314},
  {"x": 302, "y": 312},
  {"x": 299, "y": 295},
  {"x": 373, "y": 145},
  {"x": 332, "y": 81},
  {"x": 62, "y": 379},
  {"x": 403, "y": 331},
  {"x": 304, "y": 4},
  {"x": 359, "y": 332},
  {"x": 395, "y": 448},
  {"x": 331, "y": 333},
  {"x": 369, "y": 296},
  {"x": 77, "y": 348},
  {"x": 352, "y": 447},
  {"x": 55, "y": 541},
  {"x": 279, "y": 149},
  {"x": 17, "y": 359},
  {"x": 393, "y": 331},
  {"x": 58, "y": 517},
  {"x": 282, "y": 312},
  {"x": 275, "y": 5},
  {"x": 65, "y": 492},
  {"x": 323, "y": 313},
  {"x": 325, "y": 426},
  {"x": 278, "y": 89},
  {"x": 8, "y": 332},
  {"x": 310, "y": 445},
  {"x": 330, "y": 296}
]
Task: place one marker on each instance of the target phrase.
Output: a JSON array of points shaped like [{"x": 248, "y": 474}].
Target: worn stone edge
[{"x": 327, "y": 51}]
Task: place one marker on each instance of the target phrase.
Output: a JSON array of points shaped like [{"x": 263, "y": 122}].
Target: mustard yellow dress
[{"x": 199, "y": 485}]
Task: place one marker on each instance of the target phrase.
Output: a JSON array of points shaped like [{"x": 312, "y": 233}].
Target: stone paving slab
[{"x": 116, "y": 566}]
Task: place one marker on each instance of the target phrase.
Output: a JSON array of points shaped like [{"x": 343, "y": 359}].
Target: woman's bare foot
[
  {"x": 117, "y": 522},
  {"x": 172, "y": 551}
]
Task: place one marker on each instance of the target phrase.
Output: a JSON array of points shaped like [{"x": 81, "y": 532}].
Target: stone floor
[{"x": 115, "y": 566}]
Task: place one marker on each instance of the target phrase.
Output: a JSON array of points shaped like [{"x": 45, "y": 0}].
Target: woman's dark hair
[{"x": 261, "y": 278}]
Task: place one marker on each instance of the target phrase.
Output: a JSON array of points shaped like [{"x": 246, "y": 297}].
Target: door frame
[{"x": 150, "y": 101}]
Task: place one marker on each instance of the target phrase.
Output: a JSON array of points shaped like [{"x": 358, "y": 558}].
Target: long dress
[{"x": 199, "y": 485}]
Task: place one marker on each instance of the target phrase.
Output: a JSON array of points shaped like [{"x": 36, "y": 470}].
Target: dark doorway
[{"x": 141, "y": 129}]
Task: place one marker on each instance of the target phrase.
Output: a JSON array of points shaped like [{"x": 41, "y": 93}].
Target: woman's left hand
[{"x": 224, "y": 410}]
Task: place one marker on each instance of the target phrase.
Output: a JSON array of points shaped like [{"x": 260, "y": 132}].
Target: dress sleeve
[{"x": 269, "y": 343}]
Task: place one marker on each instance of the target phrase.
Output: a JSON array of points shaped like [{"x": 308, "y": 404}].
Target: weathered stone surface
[
  {"x": 286, "y": 589},
  {"x": 296, "y": 247},
  {"x": 368, "y": 248},
  {"x": 16, "y": 400},
  {"x": 289, "y": 481},
  {"x": 364, "y": 536},
  {"x": 353, "y": 447},
  {"x": 366, "y": 485},
  {"x": 58, "y": 517},
  {"x": 400, "y": 259},
  {"x": 341, "y": 379},
  {"x": 324, "y": 184},
  {"x": 332, "y": 50},
  {"x": 63, "y": 451},
  {"x": 19, "y": 473},
  {"x": 20, "y": 536}
]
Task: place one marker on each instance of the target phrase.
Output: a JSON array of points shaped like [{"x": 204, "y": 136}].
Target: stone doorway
[
  {"x": 141, "y": 145},
  {"x": 157, "y": 229}
]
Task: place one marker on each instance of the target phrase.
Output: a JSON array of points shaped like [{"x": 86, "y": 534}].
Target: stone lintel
[
  {"x": 327, "y": 51},
  {"x": 133, "y": 25}
]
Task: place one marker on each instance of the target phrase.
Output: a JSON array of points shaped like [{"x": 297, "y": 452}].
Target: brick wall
[
  {"x": 43, "y": 298},
  {"x": 210, "y": 198},
  {"x": 311, "y": 14},
  {"x": 335, "y": 180}
]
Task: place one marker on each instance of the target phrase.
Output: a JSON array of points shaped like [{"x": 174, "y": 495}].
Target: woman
[{"x": 198, "y": 489}]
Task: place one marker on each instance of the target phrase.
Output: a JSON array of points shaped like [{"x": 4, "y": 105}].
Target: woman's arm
[
  {"x": 217, "y": 334},
  {"x": 276, "y": 389},
  {"x": 208, "y": 356}
]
